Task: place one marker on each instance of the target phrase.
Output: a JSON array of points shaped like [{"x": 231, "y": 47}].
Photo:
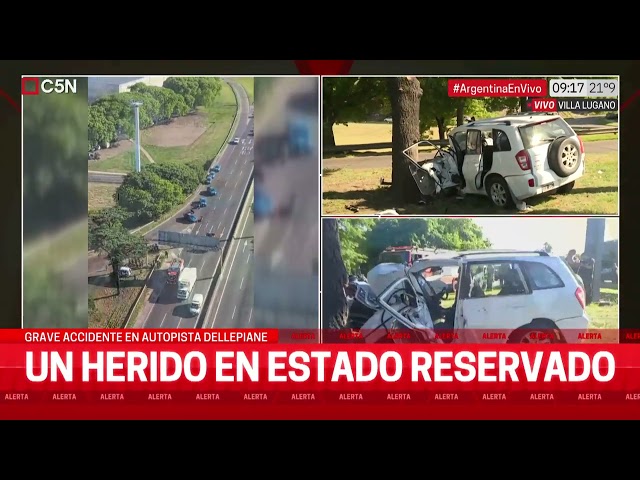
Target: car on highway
[
  {"x": 196, "y": 304},
  {"x": 216, "y": 169},
  {"x": 235, "y": 141},
  {"x": 190, "y": 217},
  {"x": 203, "y": 202},
  {"x": 507, "y": 159},
  {"x": 211, "y": 175},
  {"x": 207, "y": 181},
  {"x": 212, "y": 191}
]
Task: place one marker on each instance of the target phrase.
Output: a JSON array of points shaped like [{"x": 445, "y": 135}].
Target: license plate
[{"x": 547, "y": 187}]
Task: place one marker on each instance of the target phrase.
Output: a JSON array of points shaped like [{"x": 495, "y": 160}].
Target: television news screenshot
[{"x": 324, "y": 241}]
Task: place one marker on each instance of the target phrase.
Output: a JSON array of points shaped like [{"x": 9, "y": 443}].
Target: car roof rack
[
  {"x": 503, "y": 252},
  {"x": 488, "y": 121},
  {"x": 532, "y": 114}
]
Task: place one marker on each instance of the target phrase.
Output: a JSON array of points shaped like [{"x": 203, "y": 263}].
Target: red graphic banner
[
  {"x": 324, "y": 67},
  {"x": 207, "y": 374}
]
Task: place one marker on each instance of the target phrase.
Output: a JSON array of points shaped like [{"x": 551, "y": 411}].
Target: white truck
[{"x": 186, "y": 281}]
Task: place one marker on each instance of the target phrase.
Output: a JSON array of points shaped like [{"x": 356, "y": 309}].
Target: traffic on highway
[{"x": 211, "y": 213}]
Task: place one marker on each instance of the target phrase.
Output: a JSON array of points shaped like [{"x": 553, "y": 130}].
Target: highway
[
  {"x": 232, "y": 302},
  {"x": 163, "y": 309}
]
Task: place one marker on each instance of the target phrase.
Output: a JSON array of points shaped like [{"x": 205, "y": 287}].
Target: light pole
[{"x": 136, "y": 114}]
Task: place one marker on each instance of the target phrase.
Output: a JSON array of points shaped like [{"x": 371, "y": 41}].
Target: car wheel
[
  {"x": 566, "y": 188},
  {"x": 499, "y": 192},
  {"x": 565, "y": 156}
]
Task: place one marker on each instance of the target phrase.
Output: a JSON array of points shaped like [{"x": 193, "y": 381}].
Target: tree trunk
[
  {"x": 524, "y": 107},
  {"x": 335, "y": 310},
  {"x": 405, "y": 93},
  {"x": 460, "y": 115},
  {"x": 328, "y": 139},
  {"x": 442, "y": 128}
]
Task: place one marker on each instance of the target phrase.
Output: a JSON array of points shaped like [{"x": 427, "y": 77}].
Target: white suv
[
  {"x": 509, "y": 159},
  {"x": 520, "y": 297}
]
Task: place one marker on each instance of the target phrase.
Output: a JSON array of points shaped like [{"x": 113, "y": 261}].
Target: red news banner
[{"x": 247, "y": 374}]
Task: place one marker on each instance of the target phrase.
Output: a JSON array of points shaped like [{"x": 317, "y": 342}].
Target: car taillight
[
  {"x": 581, "y": 297},
  {"x": 581, "y": 145},
  {"x": 524, "y": 160}
]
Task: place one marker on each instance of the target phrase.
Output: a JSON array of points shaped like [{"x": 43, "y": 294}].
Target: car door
[
  {"x": 472, "y": 158},
  {"x": 494, "y": 299}
]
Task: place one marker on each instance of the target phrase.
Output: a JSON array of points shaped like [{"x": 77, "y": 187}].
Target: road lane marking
[
  {"x": 189, "y": 262},
  {"x": 225, "y": 211},
  {"x": 248, "y": 257},
  {"x": 244, "y": 246},
  {"x": 163, "y": 319},
  {"x": 219, "y": 223},
  {"x": 241, "y": 283},
  {"x": 234, "y": 312},
  {"x": 223, "y": 231},
  {"x": 205, "y": 226},
  {"x": 203, "y": 262},
  {"x": 226, "y": 280},
  {"x": 250, "y": 313}
]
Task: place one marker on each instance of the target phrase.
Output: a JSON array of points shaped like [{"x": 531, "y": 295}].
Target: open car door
[
  {"x": 425, "y": 180},
  {"x": 471, "y": 163}
]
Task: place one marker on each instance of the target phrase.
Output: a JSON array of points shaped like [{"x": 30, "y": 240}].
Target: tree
[
  {"x": 109, "y": 236},
  {"x": 185, "y": 176},
  {"x": 102, "y": 128},
  {"x": 147, "y": 195},
  {"x": 444, "y": 233},
  {"x": 352, "y": 238},
  {"x": 405, "y": 93},
  {"x": 195, "y": 91},
  {"x": 335, "y": 310},
  {"x": 350, "y": 100},
  {"x": 170, "y": 103}
]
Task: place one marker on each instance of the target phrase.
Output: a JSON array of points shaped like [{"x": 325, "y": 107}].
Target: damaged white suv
[{"x": 508, "y": 159}]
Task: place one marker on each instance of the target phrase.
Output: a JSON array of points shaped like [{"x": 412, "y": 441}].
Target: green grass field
[
  {"x": 220, "y": 117},
  {"x": 247, "y": 83},
  {"x": 101, "y": 195}
]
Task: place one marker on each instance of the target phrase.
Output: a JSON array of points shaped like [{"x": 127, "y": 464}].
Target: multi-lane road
[
  {"x": 232, "y": 301},
  {"x": 163, "y": 309}
]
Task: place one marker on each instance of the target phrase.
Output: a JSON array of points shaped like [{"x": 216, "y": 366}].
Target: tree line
[
  {"x": 112, "y": 115},
  {"x": 362, "y": 240},
  {"x": 348, "y": 99}
]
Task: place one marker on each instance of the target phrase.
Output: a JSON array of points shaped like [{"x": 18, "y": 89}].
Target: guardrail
[
  {"x": 441, "y": 143},
  {"x": 225, "y": 250}
]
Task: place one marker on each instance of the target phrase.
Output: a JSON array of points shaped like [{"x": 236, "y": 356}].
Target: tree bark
[
  {"x": 442, "y": 128},
  {"x": 335, "y": 310},
  {"x": 405, "y": 93},
  {"x": 524, "y": 107},
  {"x": 460, "y": 115},
  {"x": 328, "y": 139}
]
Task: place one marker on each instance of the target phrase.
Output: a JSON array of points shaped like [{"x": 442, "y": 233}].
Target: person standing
[{"x": 573, "y": 261}]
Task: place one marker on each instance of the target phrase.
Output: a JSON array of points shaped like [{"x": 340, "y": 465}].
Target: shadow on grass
[
  {"x": 328, "y": 171},
  {"x": 595, "y": 190}
]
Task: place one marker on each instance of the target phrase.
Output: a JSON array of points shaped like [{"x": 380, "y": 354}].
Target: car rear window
[
  {"x": 542, "y": 277},
  {"x": 538, "y": 134}
]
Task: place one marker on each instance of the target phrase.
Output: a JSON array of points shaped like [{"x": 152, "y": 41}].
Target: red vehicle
[{"x": 173, "y": 272}]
